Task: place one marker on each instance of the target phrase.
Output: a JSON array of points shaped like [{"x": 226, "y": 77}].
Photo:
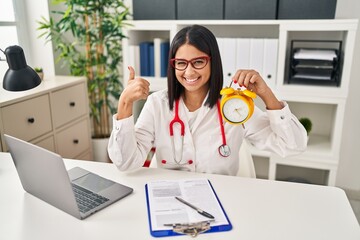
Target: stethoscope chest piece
[{"x": 224, "y": 150}]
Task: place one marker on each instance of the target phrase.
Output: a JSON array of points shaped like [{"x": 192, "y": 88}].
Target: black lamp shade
[{"x": 19, "y": 76}]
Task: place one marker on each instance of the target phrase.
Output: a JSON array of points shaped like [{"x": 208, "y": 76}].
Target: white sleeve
[
  {"x": 278, "y": 131},
  {"x": 129, "y": 146}
]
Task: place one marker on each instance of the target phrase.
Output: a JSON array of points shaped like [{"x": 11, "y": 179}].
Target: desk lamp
[{"x": 19, "y": 76}]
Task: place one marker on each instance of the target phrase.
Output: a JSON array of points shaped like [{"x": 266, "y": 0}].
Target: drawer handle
[
  {"x": 72, "y": 104},
  {"x": 31, "y": 120},
  {"x": 75, "y": 141}
]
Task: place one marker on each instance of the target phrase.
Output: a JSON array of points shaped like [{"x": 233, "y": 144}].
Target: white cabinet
[
  {"x": 323, "y": 104},
  {"x": 53, "y": 115}
]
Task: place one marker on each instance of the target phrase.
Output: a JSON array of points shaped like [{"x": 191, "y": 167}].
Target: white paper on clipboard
[{"x": 165, "y": 209}]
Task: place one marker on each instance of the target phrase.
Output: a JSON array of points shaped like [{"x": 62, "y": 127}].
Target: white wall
[
  {"x": 41, "y": 53},
  {"x": 349, "y": 167}
]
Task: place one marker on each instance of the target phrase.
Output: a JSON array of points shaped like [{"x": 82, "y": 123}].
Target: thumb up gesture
[{"x": 136, "y": 89}]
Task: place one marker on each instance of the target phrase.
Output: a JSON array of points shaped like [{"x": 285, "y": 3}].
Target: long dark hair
[{"x": 204, "y": 40}]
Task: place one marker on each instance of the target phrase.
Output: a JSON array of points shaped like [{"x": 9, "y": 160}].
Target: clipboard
[{"x": 225, "y": 225}]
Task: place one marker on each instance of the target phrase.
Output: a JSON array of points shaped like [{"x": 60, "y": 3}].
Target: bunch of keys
[{"x": 191, "y": 229}]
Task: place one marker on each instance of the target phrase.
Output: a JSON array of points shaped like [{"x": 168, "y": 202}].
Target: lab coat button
[
  {"x": 282, "y": 117},
  {"x": 163, "y": 161},
  {"x": 190, "y": 162}
]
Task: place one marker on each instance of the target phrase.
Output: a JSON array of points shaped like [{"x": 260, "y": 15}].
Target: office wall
[
  {"x": 349, "y": 168},
  {"x": 41, "y": 53}
]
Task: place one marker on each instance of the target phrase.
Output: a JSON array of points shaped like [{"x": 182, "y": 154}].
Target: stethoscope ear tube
[{"x": 177, "y": 120}]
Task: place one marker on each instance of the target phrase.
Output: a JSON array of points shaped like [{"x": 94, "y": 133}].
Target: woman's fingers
[
  {"x": 137, "y": 88},
  {"x": 131, "y": 73}
]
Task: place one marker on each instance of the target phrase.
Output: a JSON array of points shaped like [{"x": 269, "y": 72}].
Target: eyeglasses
[{"x": 182, "y": 64}]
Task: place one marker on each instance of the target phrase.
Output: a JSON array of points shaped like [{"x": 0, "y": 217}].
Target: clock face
[{"x": 235, "y": 110}]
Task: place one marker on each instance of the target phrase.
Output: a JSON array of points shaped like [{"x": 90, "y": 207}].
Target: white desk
[{"x": 258, "y": 209}]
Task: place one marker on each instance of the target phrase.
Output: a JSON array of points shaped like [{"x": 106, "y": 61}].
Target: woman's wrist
[
  {"x": 124, "y": 109},
  {"x": 270, "y": 100}
]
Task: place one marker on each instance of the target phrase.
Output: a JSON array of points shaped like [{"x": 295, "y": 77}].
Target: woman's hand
[
  {"x": 136, "y": 89},
  {"x": 252, "y": 80}
]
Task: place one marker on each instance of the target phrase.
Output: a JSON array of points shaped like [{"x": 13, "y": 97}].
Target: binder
[
  {"x": 243, "y": 53},
  {"x": 256, "y": 54},
  {"x": 270, "y": 61},
  {"x": 164, "y": 58},
  {"x": 134, "y": 57},
  {"x": 151, "y": 60},
  {"x": 228, "y": 58},
  {"x": 145, "y": 58},
  {"x": 166, "y": 196},
  {"x": 161, "y": 52}
]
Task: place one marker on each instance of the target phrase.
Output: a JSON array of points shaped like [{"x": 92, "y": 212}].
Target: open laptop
[{"x": 78, "y": 192}]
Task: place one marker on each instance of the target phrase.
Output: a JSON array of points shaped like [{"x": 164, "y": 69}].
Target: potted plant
[
  {"x": 306, "y": 122},
  {"x": 94, "y": 51}
]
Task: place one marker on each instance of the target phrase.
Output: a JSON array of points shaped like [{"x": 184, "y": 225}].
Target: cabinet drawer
[
  {"x": 85, "y": 156},
  {"x": 47, "y": 143},
  {"x": 69, "y": 104},
  {"x": 28, "y": 119},
  {"x": 73, "y": 140}
]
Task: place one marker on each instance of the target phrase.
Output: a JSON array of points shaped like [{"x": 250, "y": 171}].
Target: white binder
[
  {"x": 270, "y": 61},
  {"x": 243, "y": 53},
  {"x": 256, "y": 54},
  {"x": 157, "y": 55},
  {"x": 228, "y": 58}
]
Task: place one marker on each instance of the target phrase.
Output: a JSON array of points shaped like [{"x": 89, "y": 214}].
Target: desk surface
[{"x": 258, "y": 209}]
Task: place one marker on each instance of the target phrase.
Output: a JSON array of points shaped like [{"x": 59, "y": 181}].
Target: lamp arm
[{"x": 3, "y": 53}]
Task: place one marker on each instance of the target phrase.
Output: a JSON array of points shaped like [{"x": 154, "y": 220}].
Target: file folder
[
  {"x": 256, "y": 54},
  {"x": 145, "y": 58},
  {"x": 270, "y": 61},
  {"x": 228, "y": 57},
  {"x": 165, "y": 204}
]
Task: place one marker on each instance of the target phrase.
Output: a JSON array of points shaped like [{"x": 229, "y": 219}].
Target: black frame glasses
[{"x": 191, "y": 61}]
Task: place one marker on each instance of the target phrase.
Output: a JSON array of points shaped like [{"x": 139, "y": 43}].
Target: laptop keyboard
[{"x": 86, "y": 199}]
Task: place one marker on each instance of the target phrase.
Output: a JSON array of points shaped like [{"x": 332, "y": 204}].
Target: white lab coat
[{"x": 277, "y": 131}]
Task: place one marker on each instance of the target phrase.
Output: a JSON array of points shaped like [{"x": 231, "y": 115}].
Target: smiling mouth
[{"x": 192, "y": 80}]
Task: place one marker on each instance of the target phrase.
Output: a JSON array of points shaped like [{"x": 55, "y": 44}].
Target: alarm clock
[{"x": 237, "y": 105}]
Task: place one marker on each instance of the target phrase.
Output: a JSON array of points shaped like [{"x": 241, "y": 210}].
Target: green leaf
[{"x": 70, "y": 35}]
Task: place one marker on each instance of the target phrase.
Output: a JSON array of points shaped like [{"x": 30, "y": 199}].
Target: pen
[{"x": 202, "y": 212}]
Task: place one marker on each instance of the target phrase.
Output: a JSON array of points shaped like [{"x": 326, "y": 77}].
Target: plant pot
[
  {"x": 41, "y": 75},
  {"x": 100, "y": 153}
]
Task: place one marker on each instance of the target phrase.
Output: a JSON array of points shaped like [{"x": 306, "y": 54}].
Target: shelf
[
  {"x": 301, "y": 175},
  {"x": 318, "y": 146},
  {"x": 324, "y": 105}
]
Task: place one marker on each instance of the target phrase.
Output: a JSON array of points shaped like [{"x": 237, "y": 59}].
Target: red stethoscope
[{"x": 224, "y": 149}]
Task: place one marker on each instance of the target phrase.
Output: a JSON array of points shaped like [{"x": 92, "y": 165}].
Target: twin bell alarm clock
[{"x": 237, "y": 105}]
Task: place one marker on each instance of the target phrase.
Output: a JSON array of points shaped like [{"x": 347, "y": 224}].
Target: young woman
[{"x": 202, "y": 142}]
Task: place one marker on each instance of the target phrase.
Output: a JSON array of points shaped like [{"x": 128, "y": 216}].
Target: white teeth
[{"x": 190, "y": 80}]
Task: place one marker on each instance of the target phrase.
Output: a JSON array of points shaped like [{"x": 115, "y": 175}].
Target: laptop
[{"x": 77, "y": 192}]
